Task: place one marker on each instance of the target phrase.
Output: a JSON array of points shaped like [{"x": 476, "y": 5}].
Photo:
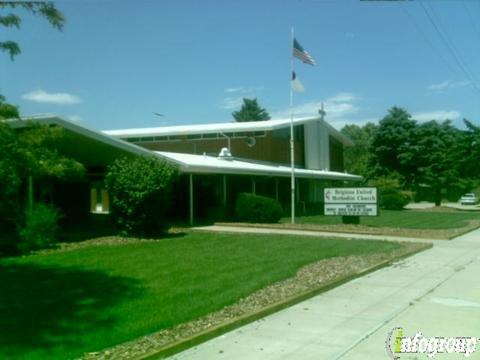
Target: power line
[
  {"x": 427, "y": 40},
  {"x": 470, "y": 19},
  {"x": 451, "y": 47}
]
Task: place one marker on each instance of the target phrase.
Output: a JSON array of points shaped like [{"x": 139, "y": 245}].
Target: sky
[{"x": 116, "y": 63}]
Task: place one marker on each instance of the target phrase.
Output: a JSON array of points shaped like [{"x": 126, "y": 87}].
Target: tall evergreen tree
[
  {"x": 250, "y": 111},
  {"x": 392, "y": 145},
  {"x": 436, "y": 156},
  {"x": 470, "y": 152}
]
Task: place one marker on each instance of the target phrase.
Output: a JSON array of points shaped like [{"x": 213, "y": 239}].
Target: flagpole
[{"x": 292, "y": 146}]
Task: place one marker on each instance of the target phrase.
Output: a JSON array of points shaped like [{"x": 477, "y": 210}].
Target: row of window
[{"x": 213, "y": 136}]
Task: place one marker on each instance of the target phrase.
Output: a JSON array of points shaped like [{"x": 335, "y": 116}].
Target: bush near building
[
  {"x": 257, "y": 209},
  {"x": 40, "y": 230},
  {"x": 140, "y": 189}
]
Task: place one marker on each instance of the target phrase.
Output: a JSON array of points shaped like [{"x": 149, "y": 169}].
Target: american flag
[{"x": 300, "y": 53}]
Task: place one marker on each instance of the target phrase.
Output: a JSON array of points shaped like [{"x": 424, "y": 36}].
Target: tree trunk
[
  {"x": 30, "y": 194},
  {"x": 438, "y": 197}
]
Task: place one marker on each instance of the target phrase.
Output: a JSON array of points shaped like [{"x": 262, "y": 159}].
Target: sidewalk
[
  {"x": 436, "y": 292},
  {"x": 258, "y": 230}
]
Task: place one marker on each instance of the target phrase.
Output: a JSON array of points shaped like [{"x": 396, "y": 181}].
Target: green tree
[
  {"x": 437, "y": 151},
  {"x": 393, "y": 145},
  {"x": 30, "y": 153},
  {"x": 45, "y": 9},
  {"x": 250, "y": 111},
  {"x": 470, "y": 151},
  {"x": 357, "y": 157},
  {"x": 140, "y": 189},
  {"x": 7, "y": 111}
]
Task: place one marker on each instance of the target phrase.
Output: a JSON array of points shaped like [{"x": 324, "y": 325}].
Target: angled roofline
[
  {"x": 188, "y": 163},
  {"x": 49, "y": 119}
]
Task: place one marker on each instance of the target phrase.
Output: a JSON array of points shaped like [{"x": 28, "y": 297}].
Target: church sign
[{"x": 361, "y": 201}]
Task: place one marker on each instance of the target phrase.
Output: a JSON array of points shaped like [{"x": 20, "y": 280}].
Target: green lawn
[
  {"x": 62, "y": 304},
  {"x": 408, "y": 219}
]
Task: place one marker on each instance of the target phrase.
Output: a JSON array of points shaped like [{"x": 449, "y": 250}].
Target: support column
[
  {"x": 30, "y": 194},
  {"x": 191, "y": 197},
  {"x": 276, "y": 189},
  {"x": 297, "y": 190},
  {"x": 224, "y": 190},
  {"x": 254, "y": 188}
]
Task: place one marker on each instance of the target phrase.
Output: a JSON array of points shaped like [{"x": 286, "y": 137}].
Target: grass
[
  {"x": 407, "y": 219},
  {"x": 61, "y": 304}
]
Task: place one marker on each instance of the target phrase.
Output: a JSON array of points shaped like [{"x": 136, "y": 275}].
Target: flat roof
[
  {"x": 265, "y": 125},
  {"x": 205, "y": 164},
  {"x": 247, "y": 126}
]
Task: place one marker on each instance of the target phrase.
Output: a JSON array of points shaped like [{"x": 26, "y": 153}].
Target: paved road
[{"x": 436, "y": 292}]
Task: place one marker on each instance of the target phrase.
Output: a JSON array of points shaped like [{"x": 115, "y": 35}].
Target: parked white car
[{"x": 468, "y": 199}]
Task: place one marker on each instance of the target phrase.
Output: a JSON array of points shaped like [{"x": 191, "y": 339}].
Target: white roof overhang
[{"x": 204, "y": 164}]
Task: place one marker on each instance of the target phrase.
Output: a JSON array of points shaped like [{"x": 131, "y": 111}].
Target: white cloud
[
  {"x": 349, "y": 35},
  {"x": 42, "y": 96},
  {"x": 439, "y": 115},
  {"x": 336, "y": 107},
  {"x": 448, "y": 84},
  {"x": 231, "y": 103},
  {"x": 243, "y": 89},
  {"x": 233, "y": 89},
  {"x": 74, "y": 118},
  {"x": 440, "y": 86},
  {"x": 235, "y": 100}
]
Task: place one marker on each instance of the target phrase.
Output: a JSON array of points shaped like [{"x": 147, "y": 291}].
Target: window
[
  {"x": 146, "y": 139},
  {"x": 99, "y": 199},
  {"x": 133, "y": 140},
  {"x": 210, "y": 136}
]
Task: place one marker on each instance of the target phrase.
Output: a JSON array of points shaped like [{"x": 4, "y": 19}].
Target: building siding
[{"x": 272, "y": 146}]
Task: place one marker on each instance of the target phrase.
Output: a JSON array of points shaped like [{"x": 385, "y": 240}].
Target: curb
[{"x": 218, "y": 330}]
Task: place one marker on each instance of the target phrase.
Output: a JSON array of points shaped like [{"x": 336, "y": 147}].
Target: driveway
[{"x": 436, "y": 292}]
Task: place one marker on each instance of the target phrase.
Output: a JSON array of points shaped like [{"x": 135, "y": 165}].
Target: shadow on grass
[{"x": 43, "y": 307}]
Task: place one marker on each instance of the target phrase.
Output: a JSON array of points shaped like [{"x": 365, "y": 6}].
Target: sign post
[{"x": 350, "y": 203}]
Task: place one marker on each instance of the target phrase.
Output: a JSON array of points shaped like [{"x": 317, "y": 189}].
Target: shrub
[
  {"x": 140, "y": 191},
  {"x": 41, "y": 226},
  {"x": 257, "y": 209},
  {"x": 393, "y": 199}
]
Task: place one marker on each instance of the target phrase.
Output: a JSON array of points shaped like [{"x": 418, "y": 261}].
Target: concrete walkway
[
  {"x": 436, "y": 292},
  {"x": 262, "y": 230}
]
